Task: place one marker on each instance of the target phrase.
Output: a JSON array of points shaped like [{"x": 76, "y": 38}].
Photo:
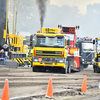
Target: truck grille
[
  {"x": 47, "y": 55},
  {"x": 50, "y": 53},
  {"x": 88, "y": 56}
]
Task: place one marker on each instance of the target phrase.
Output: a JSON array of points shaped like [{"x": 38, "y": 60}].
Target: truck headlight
[
  {"x": 82, "y": 59},
  {"x": 35, "y": 60},
  {"x": 61, "y": 61}
]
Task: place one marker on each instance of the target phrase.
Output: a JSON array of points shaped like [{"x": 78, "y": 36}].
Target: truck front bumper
[
  {"x": 48, "y": 64},
  {"x": 88, "y": 62}
]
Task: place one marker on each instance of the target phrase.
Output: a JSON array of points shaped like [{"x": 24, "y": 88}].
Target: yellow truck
[
  {"x": 49, "y": 51},
  {"x": 96, "y": 65},
  {"x": 26, "y": 41}
]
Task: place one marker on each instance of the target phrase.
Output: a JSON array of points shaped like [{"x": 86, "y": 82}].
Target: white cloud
[
  {"x": 96, "y": 12},
  {"x": 81, "y": 4}
]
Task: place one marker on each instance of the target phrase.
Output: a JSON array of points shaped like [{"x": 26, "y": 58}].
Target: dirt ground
[{"x": 27, "y": 85}]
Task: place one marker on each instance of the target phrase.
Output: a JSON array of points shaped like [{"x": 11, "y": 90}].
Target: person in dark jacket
[{"x": 2, "y": 56}]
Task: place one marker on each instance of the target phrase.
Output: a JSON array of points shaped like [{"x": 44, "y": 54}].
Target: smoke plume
[{"x": 42, "y": 10}]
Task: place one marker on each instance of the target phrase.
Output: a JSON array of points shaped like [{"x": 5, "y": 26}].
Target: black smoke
[{"x": 42, "y": 10}]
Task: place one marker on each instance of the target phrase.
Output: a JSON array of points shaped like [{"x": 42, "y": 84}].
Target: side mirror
[
  {"x": 31, "y": 40},
  {"x": 93, "y": 41},
  {"x": 68, "y": 42}
]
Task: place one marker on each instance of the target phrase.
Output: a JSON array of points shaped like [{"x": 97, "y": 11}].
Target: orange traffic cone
[
  {"x": 84, "y": 85},
  {"x": 5, "y": 94},
  {"x": 50, "y": 89}
]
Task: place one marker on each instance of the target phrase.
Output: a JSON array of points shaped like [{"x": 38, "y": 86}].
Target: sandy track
[{"x": 23, "y": 82}]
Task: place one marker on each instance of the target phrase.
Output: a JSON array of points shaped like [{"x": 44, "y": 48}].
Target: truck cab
[
  {"x": 49, "y": 51},
  {"x": 87, "y": 52}
]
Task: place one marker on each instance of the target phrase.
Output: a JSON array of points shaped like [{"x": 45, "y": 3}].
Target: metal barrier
[{"x": 21, "y": 59}]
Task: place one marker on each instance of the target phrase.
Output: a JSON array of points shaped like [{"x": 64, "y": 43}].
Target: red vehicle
[{"x": 73, "y": 56}]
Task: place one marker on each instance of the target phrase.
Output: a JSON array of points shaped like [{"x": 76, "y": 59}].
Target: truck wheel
[
  {"x": 69, "y": 67},
  {"x": 34, "y": 69},
  {"x": 94, "y": 67},
  {"x": 81, "y": 66},
  {"x": 85, "y": 65},
  {"x": 98, "y": 69},
  {"x": 64, "y": 70}
]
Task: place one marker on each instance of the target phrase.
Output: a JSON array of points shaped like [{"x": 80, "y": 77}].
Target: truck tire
[
  {"x": 94, "y": 67},
  {"x": 98, "y": 69},
  {"x": 81, "y": 66},
  {"x": 34, "y": 69},
  {"x": 85, "y": 66},
  {"x": 69, "y": 67},
  {"x": 64, "y": 70}
]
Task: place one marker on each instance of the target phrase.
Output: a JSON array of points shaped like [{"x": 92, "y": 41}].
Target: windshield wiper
[
  {"x": 90, "y": 49},
  {"x": 57, "y": 46},
  {"x": 41, "y": 45}
]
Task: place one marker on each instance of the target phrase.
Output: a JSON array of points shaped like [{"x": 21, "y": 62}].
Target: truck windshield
[
  {"x": 49, "y": 41},
  {"x": 98, "y": 45},
  {"x": 87, "y": 46}
]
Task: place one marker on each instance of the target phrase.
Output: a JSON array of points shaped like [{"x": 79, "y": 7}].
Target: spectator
[{"x": 2, "y": 56}]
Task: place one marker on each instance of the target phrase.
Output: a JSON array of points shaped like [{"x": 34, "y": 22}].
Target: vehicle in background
[
  {"x": 96, "y": 65},
  {"x": 86, "y": 52},
  {"x": 73, "y": 52},
  {"x": 26, "y": 41},
  {"x": 9, "y": 38}
]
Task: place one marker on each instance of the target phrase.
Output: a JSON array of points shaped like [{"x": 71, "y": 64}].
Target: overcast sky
[{"x": 85, "y": 13}]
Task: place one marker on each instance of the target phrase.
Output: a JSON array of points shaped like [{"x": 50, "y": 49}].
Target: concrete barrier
[{"x": 9, "y": 63}]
